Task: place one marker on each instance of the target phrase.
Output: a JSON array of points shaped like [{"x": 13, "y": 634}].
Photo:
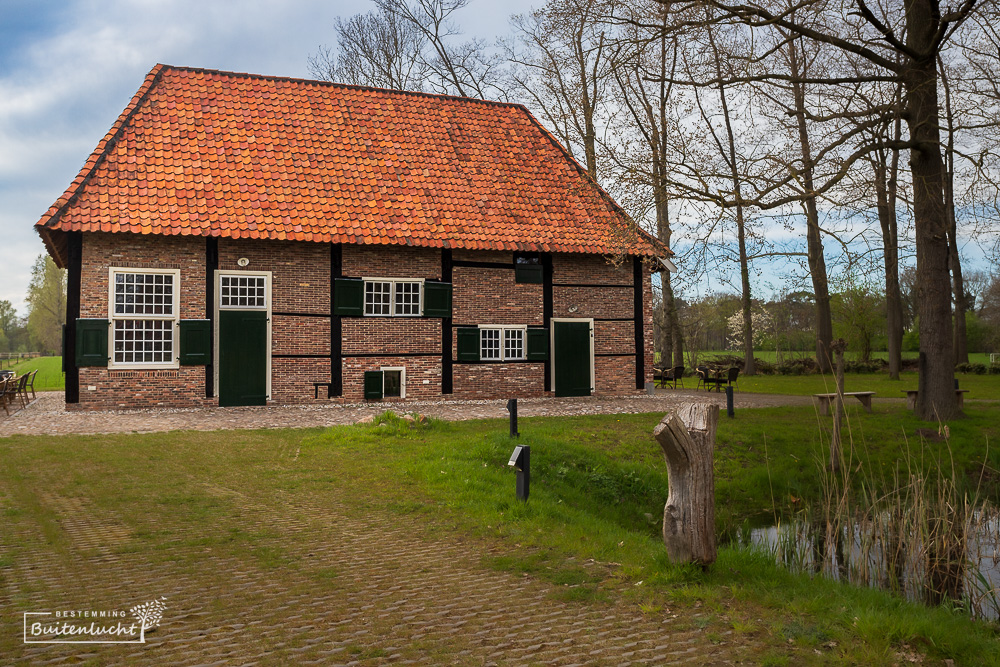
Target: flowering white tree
[{"x": 760, "y": 323}]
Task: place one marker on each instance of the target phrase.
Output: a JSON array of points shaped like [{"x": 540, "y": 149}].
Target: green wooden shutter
[
  {"x": 91, "y": 342},
  {"x": 373, "y": 385},
  {"x": 195, "y": 342},
  {"x": 538, "y": 344},
  {"x": 349, "y": 297},
  {"x": 528, "y": 274},
  {"x": 468, "y": 343},
  {"x": 437, "y": 299}
]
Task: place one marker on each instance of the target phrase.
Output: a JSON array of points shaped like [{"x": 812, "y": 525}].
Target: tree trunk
[
  {"x": 814, "y": 242},
  {"x": 936, "y": 399},
  {"x": 838, "y": 347},
  {"x": 885, "y": 191},
  {"x": 749, "y": 365},
  {"x": 671, "y": 326},
  {"x": 961, "y": 336},
  {"x": 688, "y": 441}
]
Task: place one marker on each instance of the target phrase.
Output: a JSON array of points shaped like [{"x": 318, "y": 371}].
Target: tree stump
[{"x": 687, "y": 437}]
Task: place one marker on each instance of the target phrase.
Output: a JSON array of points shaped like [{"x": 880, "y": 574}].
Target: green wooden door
[
  {"x": 571, "y": 356},
  {"x": 242, "y": 357}
]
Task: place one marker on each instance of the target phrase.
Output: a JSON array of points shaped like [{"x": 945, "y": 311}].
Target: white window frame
[
  {"x": 392, "y": 296},
  {"x": 174, "y": 318},
  {"x": 504, "y": 328},
  {"x": 266, "y": 276},
  {"x": 402, "y": 380}
]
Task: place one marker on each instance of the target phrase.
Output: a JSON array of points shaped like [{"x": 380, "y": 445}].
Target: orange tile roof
[{"x": 201, "y": 152}]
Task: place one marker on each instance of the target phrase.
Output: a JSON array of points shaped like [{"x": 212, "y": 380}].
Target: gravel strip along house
[{"x": 238, "y": 240}]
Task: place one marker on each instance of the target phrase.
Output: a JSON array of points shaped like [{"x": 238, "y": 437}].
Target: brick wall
[
  {"x": 391, "y": 335},
  {"x": 383, "y": 261},
  {"x": 510, "y": 380},
  {"x": 592, "y": 302},
  {"x": 613, "y": 337},
  {"x": 104, "y": 251},
  {"x": 582, "y": 269},
  {"x": 490, "y": 296},
  {"x": 291, "y": 379},
  {"x": 423, "y": 375},
  {"x": 110, "y": 388},
  {"x": 300, "y": 272},
  {"x": 291, "y": 334},
  {"x": 301, "y": 285}
]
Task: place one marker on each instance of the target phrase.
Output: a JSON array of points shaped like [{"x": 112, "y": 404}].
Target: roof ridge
[{"x": 350, "y": 86}]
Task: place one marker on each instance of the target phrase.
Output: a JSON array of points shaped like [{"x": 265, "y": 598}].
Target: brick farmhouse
[{"x": 238, "y": 239}]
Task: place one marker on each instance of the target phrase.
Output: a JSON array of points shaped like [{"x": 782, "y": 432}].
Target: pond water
[{"x": 866, "y": 553}]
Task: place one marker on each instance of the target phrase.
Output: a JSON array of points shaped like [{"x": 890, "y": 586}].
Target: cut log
[{"x": 687, "y": 437}]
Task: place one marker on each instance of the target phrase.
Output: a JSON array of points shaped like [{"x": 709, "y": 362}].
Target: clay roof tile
[{"x": 198, "y": 148}]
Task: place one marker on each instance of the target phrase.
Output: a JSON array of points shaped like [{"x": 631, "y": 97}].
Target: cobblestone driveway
[{"x": 401, "y": 596}]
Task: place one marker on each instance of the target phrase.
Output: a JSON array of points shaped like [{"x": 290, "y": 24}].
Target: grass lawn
[
  {"x": 598, "y": 489},
  {"x": 50, "y": 376},
  {"x": 771, "y": 356},
  {"x": 979, "y": 386}
]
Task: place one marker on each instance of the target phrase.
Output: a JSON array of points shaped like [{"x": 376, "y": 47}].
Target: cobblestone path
[
  {"x": 47, "y": 415},
  {"x": 357, "y": 590}
]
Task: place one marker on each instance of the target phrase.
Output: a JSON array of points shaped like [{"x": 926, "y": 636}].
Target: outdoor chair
[
  {"x": 702, "y": 374},
  {"x": 659, "y": 376},
  {"x": 731, "y": 377},
  {"x": 12, "y": 392},
  {"x": 21, "y": 391},
  {"x": 3, "y": 393},
  {"x": 30, "y": 384},
  {"x": 675, "y": 375}
]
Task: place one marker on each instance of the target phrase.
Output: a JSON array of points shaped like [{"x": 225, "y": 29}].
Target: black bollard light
[
  {"x": 730, "y": 412},
  {"x": 512, "y": 409},
  {"x": 520, "y": 460}
]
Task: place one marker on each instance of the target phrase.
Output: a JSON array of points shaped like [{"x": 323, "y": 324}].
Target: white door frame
[{"x": 215, "y": 322}]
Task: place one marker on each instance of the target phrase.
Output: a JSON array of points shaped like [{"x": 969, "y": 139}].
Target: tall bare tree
[
  {"x": 466, "y": 69},
  {"x": 642, "y": 69},
  {"x": 561, "y": 67},
  {"x": 376, "y": 49},
  {"x": 900, "y": 42}
]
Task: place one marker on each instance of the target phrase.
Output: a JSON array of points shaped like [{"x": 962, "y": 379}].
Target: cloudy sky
[{"x": 69, "y": 67}]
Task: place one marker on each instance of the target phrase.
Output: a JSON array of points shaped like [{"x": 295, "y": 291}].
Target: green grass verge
[
  {"x": 979, "y": 386},
  {"x": 50, "y": 376}
]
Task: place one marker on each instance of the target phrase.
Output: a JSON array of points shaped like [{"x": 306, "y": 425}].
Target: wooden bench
[
  {"x": 911, "y": 397},
  {"x": 826, "y": 399}
]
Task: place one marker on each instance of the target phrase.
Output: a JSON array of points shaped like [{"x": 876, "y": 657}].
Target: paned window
[
  {"x": 242, "y": 291},
  {"x": 501, "y": 343},
  {"x": 393, "y": 298},
  {"x": 144, "y": 317}
]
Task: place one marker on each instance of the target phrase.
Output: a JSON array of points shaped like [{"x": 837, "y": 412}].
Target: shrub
[{"x": 871, "y": 366}]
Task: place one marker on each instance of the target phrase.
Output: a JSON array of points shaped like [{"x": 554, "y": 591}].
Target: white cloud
[{"x": 60, "y": 92}]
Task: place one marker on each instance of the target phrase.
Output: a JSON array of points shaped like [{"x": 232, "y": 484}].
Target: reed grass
[{"x": 918, "y": 530}]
